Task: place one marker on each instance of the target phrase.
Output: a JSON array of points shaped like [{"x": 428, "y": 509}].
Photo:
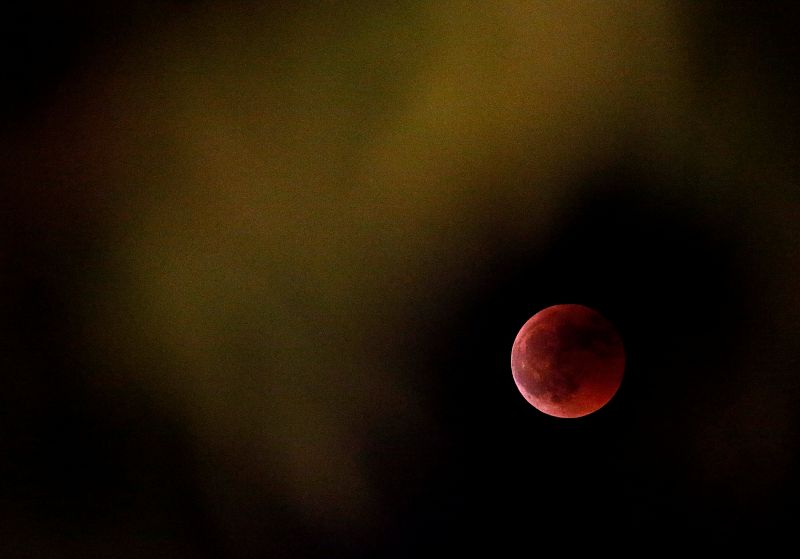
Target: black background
[{"x": 699, "y": 443}]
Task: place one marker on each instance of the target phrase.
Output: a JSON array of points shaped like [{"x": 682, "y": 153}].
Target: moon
[{"x": 568, "y": 361}]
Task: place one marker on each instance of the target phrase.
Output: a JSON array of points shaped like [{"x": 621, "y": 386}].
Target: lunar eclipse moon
[{"x": 568, "y": 361}]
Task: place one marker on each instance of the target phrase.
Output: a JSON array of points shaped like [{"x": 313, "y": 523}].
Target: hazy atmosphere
[{"x": 261, "y": 269}]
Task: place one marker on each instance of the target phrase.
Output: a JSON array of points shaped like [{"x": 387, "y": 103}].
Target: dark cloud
[{"x": 262, "y": 269}]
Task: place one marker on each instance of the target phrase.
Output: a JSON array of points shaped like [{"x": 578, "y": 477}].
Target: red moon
[{"x": 568, "y": 361}]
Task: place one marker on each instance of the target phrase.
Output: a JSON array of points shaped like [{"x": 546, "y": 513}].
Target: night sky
[{"x": 261, "y": 270}]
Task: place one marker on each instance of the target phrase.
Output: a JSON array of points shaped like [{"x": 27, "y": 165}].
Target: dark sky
[{"x": 261, "y": 270}]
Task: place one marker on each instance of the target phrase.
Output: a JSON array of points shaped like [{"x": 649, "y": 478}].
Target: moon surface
[{"x": 568, "y": 360}]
